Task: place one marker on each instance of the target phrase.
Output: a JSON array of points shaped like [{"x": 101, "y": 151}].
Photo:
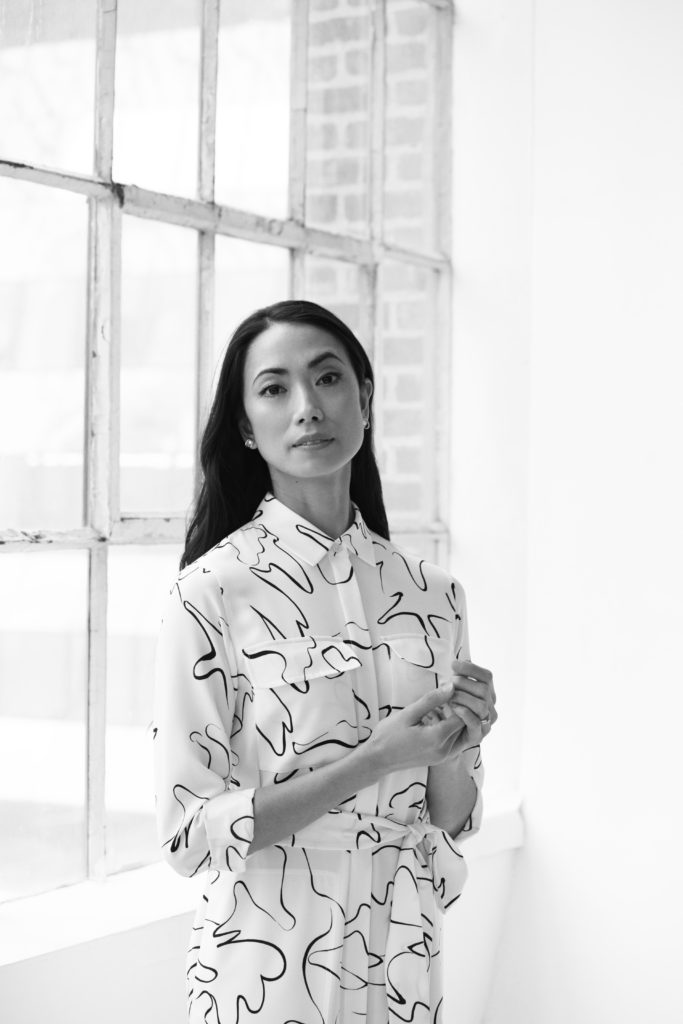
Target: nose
[{"x": 307, "y": 407}]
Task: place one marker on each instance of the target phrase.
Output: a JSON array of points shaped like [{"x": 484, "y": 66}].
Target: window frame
[{"x": 108, "y": 200}]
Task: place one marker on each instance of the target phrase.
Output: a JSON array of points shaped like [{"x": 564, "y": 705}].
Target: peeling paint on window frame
[{"x": 108, "y": 200}]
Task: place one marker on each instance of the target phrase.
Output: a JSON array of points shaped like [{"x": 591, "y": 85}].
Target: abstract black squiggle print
[{"x": 280, "y": 651}]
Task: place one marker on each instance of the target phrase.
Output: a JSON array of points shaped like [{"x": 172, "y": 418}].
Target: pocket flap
[
  {"x": 433, "y": 653},
  {"x": 299, "y": 659}
]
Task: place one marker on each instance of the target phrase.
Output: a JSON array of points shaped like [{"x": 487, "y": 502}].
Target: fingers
[
  {"x": 431, "y": 718},
  {"x": 478, "y": 705},
  {"x": 429, "y": 702},
  {"x": 474, "y": 686},
  {"x": 477, "y": 696},
  {"x": 473, "y": 721},
  {"x": 449, "y": 705},
  {"x": 448, "y": 728},
  {"x": 468, "y": 668}
]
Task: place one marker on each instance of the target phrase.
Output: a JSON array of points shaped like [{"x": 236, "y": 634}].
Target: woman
[{"x": 312, "y": 756}]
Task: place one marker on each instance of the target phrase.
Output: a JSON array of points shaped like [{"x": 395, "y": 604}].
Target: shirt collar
[{"x": 306, "y": 541}]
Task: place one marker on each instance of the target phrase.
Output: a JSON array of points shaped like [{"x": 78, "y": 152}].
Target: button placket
[{"x": 343, "y": 557}]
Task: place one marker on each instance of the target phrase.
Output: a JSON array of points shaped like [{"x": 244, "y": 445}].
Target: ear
[
  {"x": 365, "y": 396},
  {"x": 244, "y": 427}
]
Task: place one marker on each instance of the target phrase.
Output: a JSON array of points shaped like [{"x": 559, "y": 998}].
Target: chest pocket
[
  {"x": 304, "y": 704},
  {"x": 418, "y": 664}
]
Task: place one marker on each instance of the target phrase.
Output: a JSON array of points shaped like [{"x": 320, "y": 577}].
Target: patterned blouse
[{"x": 281, "y": 649}]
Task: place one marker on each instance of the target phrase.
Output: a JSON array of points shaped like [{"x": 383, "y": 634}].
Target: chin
[{"x": 317, "y": 464}]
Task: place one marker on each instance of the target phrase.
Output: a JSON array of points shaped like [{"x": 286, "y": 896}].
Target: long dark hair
[{"x": 235, "y": 478}]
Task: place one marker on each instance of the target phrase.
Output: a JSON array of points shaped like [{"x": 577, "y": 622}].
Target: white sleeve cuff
[
  {"x": 229, "y": 824},
  {"x": 476, "y": 771}
]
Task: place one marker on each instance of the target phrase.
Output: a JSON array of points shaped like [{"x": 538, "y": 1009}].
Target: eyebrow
[{"x": 314, "y": 362}]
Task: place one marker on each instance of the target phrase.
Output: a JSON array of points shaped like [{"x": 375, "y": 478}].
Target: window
[{"x": 165, "y": 169}]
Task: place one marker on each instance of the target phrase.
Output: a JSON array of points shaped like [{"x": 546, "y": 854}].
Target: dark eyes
[{"x": 331, "y": 377}]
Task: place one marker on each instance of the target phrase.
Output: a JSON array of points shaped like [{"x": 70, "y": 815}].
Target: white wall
[
  {"x": 492, "y": 92},
  {"x": 132, "y": 977},
  {"x": 593, "y": 928}
]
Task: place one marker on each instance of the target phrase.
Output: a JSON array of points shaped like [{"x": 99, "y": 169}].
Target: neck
[{"x": 323, "y": 502}]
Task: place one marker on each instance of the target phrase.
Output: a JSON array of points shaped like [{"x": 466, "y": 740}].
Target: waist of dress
[
  {"x": 432, "y": 859},
  {"x": 353, "y": 831}
]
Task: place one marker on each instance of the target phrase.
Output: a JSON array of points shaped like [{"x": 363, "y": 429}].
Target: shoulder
[
  {"x": 194, "y": 594},
  {"x": 400, "y": 561},
  {"x": 217, "y": 571}
]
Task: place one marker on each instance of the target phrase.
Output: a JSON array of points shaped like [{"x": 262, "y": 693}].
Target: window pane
[
  {"x": 338, "y": 117},
  {"x": 156, "y": 114},
  {"x": 248, "y": 276},
  {"x": 410, "y": 196},
  {"x": 47, "y": 70},
  {"x": 335, "y": 285},
  {"x": 158, "y": 328},
  {"x": 43, "y": 667},
  {"x": 252, "y": 115},
  {"x": 407, "y": 392},
  {"x": 42, "y": 345},
  {"x": 139, "y": 580}
]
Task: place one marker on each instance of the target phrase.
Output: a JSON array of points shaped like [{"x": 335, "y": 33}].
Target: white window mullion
[
  {"x": 56, "y": 540},
  {"x": 104, "y": 88},
  {"x": 440, "y": 151},
  {"x": 97, "y": 712},
  {"x": 443, "y": 299},
  {"x": 206, "y": 253},
  {"x": 81, "y": 184},
  {"x": 377, "y": 367},
  {"x": 434, "y": 261},
  {"x": 149, "y": 530},
  {"x": 377, "y": 104},
  {"x": 206, "y": 240},
  {"x": 102, "y": 365},
  {"x": 298, "y": 104},
  {"x": 207, "y": 99},
  {"x": 101, "y": 446},
  {"x": 441, "y": 5},
  {"x": 376, "y": 199},
  {"x": 367, "y": 287},
  {"x": 442, "y": 364},
  {"x": 297, "y": 274},
  {"x": 297, "y": 138}
]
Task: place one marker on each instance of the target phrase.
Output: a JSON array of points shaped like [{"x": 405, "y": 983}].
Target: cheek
[
  {"x": 347, "y": 406},
  {"x": 266, "y": 419}
]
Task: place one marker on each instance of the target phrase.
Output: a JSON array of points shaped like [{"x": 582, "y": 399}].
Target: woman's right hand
[{"x": 401, "y": 740}]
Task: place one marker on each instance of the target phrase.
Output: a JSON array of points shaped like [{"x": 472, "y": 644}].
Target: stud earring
[
  {"x": 249, "y": 443},
  {"x": 366, "y": 424}
]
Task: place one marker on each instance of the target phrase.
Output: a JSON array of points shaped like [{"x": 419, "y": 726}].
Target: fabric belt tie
[{"x": 430, "y": 873}]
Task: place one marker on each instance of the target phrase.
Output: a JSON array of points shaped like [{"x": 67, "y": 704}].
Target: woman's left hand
[{"x": 473, "y": 700}]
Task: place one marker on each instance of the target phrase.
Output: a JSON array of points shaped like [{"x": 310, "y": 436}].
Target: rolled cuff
[
  {"x": 229, "y": 824},
  {"x": 476, "y": 772}
]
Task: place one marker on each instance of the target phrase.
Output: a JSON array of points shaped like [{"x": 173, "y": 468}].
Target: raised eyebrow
[{"x": 314, "y": 362}]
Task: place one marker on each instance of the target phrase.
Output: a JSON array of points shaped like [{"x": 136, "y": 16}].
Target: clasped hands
[{"x": 470, "y": 695}]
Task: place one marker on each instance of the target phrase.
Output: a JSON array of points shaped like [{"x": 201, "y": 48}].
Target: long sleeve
[
  {"x": 203, "y": 818},
  {"x": 472, "y": 757}
]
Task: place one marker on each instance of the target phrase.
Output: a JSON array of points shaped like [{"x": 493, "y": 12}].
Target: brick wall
[{"x": 337, "y": 199}]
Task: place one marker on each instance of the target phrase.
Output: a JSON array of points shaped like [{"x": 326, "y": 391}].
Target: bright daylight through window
[{"x": 166, "y": 168}]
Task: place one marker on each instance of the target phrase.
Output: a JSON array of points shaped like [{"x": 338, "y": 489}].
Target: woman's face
[{"x": 298, "y": 383}]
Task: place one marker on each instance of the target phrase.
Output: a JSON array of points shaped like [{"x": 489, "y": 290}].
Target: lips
[{"x": 312, "y": 442}]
